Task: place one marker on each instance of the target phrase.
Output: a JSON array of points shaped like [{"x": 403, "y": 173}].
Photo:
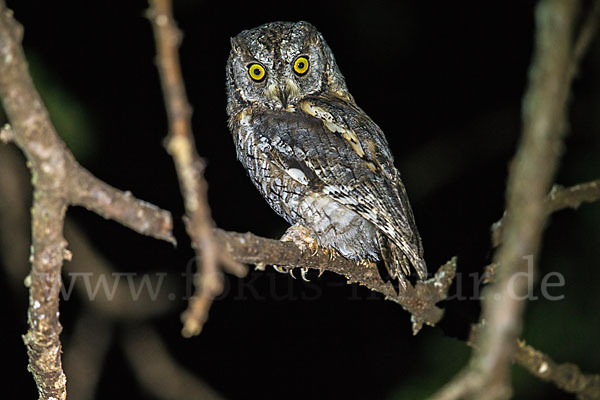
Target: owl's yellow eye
[
  {"x": 301, "y": 65},
  {"x": 256, "y": 72}
]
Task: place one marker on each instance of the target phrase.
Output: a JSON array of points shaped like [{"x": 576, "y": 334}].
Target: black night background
[{"x": 444, "y": 80}]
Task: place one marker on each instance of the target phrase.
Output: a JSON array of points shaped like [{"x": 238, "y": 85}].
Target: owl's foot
[{"x": 302, "y": 237}]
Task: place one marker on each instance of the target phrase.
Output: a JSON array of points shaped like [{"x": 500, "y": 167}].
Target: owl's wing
[{"x": 349, "y": 155}]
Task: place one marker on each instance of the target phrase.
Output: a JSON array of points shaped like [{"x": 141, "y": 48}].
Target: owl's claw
[
  {"x": 282, "y": 269},
  {"x": 289, "y": 270},
  {"x": 303, "y": 272},
  {"x": 330, "y": 253}
]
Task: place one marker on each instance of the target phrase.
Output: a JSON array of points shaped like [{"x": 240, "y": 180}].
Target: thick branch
[
  {"x": 420, "y": 301},
  {"x": 530, "y": 177},
  {"x": 42, "y": 338},
  {"x": 59, "y": 181}
]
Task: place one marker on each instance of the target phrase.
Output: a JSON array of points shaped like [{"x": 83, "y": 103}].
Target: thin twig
[
  {"x": 190, "y": 169},
  {"x": 586, "y": 36},
  {"x": 59, "y": 181},
  {"x": 559, "y": 198},
  {"x": 566, "y": 376},
  {"x": 530, "y": 177},
  {"x": 573, "y": 196}
]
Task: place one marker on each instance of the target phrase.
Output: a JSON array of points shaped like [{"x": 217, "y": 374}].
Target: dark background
[{"x": 443, "y": 79}]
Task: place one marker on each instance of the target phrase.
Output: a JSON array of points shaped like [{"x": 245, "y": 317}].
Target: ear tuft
[{"x": 235, "y": 45}]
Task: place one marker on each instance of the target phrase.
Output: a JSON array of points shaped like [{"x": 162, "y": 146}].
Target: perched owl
[{"x": 317, "y": 158}]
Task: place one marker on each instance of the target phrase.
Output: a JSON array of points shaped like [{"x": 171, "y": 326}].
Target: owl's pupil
[
  {"x": 300, "y": 65},
  {"x": 256, "y": 72}
]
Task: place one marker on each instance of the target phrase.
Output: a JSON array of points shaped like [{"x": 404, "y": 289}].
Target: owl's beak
[{"x": 284, "y": 94}]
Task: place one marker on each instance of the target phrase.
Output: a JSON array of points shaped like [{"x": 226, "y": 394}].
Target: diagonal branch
[
  {"x": 91, "y": 193},
  {"x": 420, "y": 300},
  {"x": 531, "y": 175}
]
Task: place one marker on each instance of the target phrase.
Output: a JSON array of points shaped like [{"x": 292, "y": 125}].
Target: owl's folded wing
[{"x": 349, "y": 155}]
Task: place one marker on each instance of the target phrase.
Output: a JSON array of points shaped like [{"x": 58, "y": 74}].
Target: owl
[{"x": 316, "y": 157}]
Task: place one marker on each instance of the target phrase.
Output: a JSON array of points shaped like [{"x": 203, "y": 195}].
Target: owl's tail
[{"x": 398, "y": 263}]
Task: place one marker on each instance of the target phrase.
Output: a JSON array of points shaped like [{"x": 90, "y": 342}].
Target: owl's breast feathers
[{"x": 329, "y": 148}]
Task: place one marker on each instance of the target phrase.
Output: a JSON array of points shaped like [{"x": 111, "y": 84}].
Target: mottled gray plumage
[{"x": 316, "y": 157}]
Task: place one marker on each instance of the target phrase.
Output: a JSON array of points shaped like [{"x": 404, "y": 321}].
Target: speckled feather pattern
[{"x": 314, "y": 155}]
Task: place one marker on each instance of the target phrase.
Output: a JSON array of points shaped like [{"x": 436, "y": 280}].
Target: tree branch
[
  {"x": 59, "y": 181},
  {"x": 91, "y": 193},
  {"x": 420, "y": 300},
  {"x": 559, "y": 198},
  {"x": 530, "y": 177},
  {"x": 566, "y": 376},
  {"x": 585, "y": 37},
  {"x": 190, "y": 170}
]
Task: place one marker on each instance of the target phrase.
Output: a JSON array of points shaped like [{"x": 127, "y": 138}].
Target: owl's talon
[
  {"x": 303, "y": 272},
  {"x": 291, "y": 272},
  {"x": 259, "y": 267},
  {"x": 321, "y": 272},
  {"x": 281, "y": 269}
]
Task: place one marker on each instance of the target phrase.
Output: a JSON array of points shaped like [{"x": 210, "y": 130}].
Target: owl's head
[{"x": 277, "y": 64}]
